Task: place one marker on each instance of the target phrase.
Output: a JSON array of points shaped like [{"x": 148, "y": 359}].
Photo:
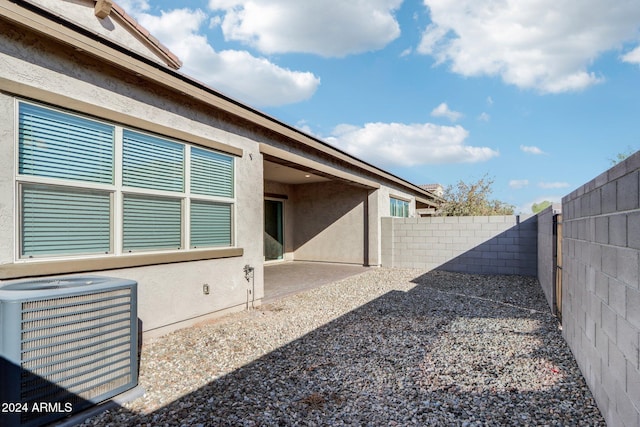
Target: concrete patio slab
[{"x": 288, "y": 278}]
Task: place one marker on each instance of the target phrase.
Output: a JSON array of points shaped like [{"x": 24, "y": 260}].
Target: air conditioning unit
[{"x": 65, "y": 344}]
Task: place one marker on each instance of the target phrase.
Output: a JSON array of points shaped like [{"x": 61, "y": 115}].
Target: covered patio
[{"x": 288, "y": 278}]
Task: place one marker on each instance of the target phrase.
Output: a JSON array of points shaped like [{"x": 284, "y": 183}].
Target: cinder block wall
[
  {"x": 546, "y": 251},
  {"x": 601, "y": 289},
  {"x": 482, "y": 244}
]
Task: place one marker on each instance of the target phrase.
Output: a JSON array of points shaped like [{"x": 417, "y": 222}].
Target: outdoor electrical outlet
[{"x": 205, "y": 289}]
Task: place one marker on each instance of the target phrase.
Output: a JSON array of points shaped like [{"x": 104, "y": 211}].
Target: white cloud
[
  {"x": 530, "y": 149},
  {"x": 546, "y": 45},
  {"x": 443, "y": 110},
  {"x": 398, "y": 144},
  {"x": 516, "y": 184},
  {"x": 330, "y": 28},
  {"x": 632, "y": 57},
  {"x": 484, "y": 117},
  {"x": 303, "y": 125},
  {"x": 408, "y": 51},
  {"x": 239, "y": 74},
  {"x": 549, "y": 185},
  {"x": 489, "y": 101},
  {"x": 134, "y": 7}
]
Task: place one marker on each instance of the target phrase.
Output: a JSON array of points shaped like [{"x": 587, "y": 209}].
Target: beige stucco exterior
[
  {"x": 334, "y": 221},
  {"x": 335, "y": 218},
  {"x": 318, "y": 215},
  {"x": 169, "y": 293}
]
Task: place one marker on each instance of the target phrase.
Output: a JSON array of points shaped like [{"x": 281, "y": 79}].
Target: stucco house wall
[
  {"x": 334, "y": 221},
  {"x": 130, "y": 82},
  {"x": 330, "y": 222},
  {"x": 337, "y": 222},
  {"x": 380, "y": 211},
  {"x": 172, "y": 293}
]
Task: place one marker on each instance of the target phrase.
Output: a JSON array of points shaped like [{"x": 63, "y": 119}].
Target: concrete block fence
[
  {"x": 601, "y": 288},
  {"x": 482, "y": 244},
  {"x": 600, "y": 253}
]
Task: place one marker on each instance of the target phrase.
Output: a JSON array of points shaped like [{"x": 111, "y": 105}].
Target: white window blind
[
  {"x": 58, "y": 145},
  {"x": 58, "y": 220},
  {"x": 151, "y": 223},
  {"x": 150, "y": 162},
  {"x": 211, "y": 173},
  {"x": 210, "y": 224}
]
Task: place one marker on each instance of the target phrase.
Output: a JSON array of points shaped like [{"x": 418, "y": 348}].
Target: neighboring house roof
[
  {"x": 32, "y": 14},
  {"x": 436, "y": 189}
]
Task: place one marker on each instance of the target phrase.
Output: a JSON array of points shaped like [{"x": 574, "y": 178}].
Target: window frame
[
  {"x": 117, "y": 192},
  {"x": 406, "y": 204}
]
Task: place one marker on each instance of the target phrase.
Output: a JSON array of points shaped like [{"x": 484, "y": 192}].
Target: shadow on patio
[{"x": 437, "y": 349}]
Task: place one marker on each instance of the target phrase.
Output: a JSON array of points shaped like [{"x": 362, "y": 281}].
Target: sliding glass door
[{"x": 273, "y": 230}]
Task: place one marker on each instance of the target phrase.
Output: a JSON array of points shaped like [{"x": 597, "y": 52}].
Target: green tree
[
  {"x": 621, "y": 156},
  {"x": 539, "y": 207},
  {"x": 470, "y": 199}
]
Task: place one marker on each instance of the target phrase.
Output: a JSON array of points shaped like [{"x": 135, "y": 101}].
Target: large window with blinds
[{"x": 88, "y": 187}]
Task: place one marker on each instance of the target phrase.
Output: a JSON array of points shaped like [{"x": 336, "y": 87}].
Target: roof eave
[{"x": 60, "y": 29}]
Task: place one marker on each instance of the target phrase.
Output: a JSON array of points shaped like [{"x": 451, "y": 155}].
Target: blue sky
[{"x": 540, "y": 95}]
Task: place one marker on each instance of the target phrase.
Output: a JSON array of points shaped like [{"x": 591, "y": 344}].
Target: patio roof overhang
[{"x": 295, "y": 161}]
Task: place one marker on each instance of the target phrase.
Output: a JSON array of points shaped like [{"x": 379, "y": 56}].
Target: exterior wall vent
[{"x": 65, "y": 344}]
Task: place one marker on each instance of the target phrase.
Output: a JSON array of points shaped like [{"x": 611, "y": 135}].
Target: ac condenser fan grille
[
  {"x": 81, "y": 334},
  {"x": 77, "y": 349}
]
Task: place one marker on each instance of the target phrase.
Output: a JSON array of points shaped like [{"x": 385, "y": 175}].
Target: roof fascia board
[{"x": 312, "y": 164}]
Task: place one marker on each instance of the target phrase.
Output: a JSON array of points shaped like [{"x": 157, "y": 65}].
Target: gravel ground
[{"x": 387, "y": 347}]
